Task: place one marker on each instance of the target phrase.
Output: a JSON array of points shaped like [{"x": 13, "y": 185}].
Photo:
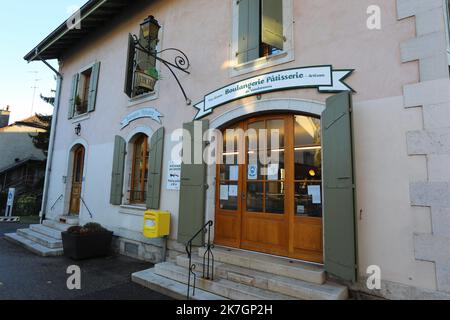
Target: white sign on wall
[
  {"x": 174, "y": 176},
  {"x": 151, "y": 113},
  {"x": 324, "y": 78}
]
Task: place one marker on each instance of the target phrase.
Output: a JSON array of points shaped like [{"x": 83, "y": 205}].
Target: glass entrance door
[{"x": 268, "y": 193}]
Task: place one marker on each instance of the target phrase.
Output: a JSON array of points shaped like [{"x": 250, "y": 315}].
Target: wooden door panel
[
  {"x": 308, "y": 235},
  {"x": 77, "y": 181},
  {"x": 265, "y": 232},
  {"x": 227, "y": 231}
]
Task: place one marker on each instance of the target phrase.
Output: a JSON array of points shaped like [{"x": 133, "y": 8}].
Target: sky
[{"x": 23, "y": 24}]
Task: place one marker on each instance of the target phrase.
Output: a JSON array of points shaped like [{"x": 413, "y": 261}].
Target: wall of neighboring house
[{"x": 324, "y": 33}]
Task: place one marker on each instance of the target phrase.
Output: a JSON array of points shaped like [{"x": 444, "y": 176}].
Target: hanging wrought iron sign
[{"x": 146, "y": 77}]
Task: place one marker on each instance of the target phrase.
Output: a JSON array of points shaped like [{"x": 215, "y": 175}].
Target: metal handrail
[
  {"x": 208, "y": 259},
  {"x": 87, "y": 208},
  {"x": 57, "y": 200}
]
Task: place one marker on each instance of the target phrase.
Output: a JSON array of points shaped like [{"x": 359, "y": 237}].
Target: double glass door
[{"x": 268, "y": 195}]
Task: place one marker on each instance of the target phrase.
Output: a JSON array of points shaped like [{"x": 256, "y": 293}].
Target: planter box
[{"x": 81, "y": 247}]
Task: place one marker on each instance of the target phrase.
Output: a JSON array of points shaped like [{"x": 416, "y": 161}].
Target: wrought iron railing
[
  {"x": 57, "y": 200},
  {"x": 87, "y": 208},
  {"x": 208, "y": 259}
]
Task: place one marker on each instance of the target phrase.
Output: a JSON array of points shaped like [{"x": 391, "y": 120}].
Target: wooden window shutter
[
  {"x": 130, "y": 67},
  {"x": 73, "y": 95},
  {"x": 155, "y": 170},
  {"x": 272, "y": 23},
  {"x": 93, "y": 85},
  {"x": 338, "y": 180},
  {"x": 249, "y": 30},
  {"x": 118, "y": 171},
  {"x": 193, "y": 184}
]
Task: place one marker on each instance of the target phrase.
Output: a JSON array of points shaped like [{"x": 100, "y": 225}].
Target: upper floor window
[
  {"x": 84, "y": 91},
  {"x": 260, "y": 29},
  {"x": 262, "y": 34}
]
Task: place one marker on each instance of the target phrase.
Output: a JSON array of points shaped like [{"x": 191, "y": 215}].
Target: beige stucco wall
[{"x": 325, "y": 32}]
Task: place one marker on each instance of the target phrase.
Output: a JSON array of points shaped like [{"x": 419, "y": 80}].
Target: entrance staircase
[
  {"x": 241, "y": 275},
  {"x": 43, "y": 239}
]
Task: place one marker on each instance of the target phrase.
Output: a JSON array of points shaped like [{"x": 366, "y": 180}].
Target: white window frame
[
  {"x": 287, "y": 55},
  {"x": 76, "y": 118}
]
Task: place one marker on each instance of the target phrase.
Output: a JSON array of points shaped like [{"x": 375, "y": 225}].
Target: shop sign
[
  {"x": 151, "y": 113},
  {"x": 324, "y": 78}
]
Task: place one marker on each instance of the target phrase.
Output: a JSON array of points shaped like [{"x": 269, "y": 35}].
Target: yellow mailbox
[{"x": 156, "y": 224}]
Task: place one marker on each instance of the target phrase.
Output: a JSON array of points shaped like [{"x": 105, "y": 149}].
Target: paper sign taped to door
[
  {"x": 315, "y": 192},
  {"x": 224, "y": 193}
]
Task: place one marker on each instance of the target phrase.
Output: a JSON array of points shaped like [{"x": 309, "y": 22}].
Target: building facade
[{"x": 358, "y": 183}]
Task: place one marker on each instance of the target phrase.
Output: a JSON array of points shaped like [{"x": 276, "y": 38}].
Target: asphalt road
[{"x": 25, "y": 276}]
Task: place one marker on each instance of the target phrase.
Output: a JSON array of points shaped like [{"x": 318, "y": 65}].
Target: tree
[{"x": 41, "y": 140}]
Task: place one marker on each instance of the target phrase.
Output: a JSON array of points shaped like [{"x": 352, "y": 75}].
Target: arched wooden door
[
  {"x": 77, "y": 180},
  {"x": 269, "y": 188}
]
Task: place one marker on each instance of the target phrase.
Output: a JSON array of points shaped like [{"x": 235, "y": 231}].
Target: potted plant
[
  {"x": 89, "y": 241},
  {"x": 78, "y": 104}
]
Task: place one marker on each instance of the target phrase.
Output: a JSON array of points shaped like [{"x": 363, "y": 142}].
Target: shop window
[
  {"x": 308, "y": 166},
  {"x": 262, "y": 35},
  {"x": 139, "y": 169},
  {"x": 84, "y": 91}
]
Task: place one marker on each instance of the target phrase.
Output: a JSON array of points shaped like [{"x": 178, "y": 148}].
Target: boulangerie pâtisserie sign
[{"x": 324, "y": 78}]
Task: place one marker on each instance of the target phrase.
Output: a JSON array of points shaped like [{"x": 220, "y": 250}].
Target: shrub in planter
[{"x": 89, "y": 241}]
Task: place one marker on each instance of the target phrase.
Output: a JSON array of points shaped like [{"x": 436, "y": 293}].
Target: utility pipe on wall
[{"x": 48, "y": 169}]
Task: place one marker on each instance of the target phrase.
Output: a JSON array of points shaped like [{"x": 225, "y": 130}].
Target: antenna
[{"x": 34, "y": 87}]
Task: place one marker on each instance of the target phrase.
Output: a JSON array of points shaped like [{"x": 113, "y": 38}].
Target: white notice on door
[
  {"x": 315, "y": 192},
  {"x": 234, "y": 173},
  {"x": 224, "y": 193},
  {"x": 233, "y": 191}
]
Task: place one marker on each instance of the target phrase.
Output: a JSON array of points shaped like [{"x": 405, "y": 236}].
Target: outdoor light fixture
[
  {"x": 149, "y": 30},
  {"x": 78, "y": 130}
]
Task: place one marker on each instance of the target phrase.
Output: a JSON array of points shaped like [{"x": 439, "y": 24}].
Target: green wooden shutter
[
  {"x": 193, "y": 184},
  {"x": 155, "y": 170},
  {"x": 93, "y": 85},
  {"x": 249, "y": 30},
  {"x": 73, "y": 95},
  {"x": 130, "y": 67},
  {"x": 118, "y": 171},
  {"x": 272, "y": 23},
  {"x": 339, "y": 210}
]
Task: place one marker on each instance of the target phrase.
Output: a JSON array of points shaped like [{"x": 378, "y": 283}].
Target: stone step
[
  {"x": 225, "y": 288},
  {"x": 47, "y": 231},
  {"x": 56, "y": 225},
  {"x": 168, "y": 287},
  {"x": 41, "y": 239},
  {"x": 292, "y": 287},
  {"x": 70, "y": 220},
  {"x": 270, "y": 264},
  {"x": 33, "y": 246}
]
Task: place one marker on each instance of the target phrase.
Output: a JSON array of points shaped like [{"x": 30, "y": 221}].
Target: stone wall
[{"x": 432, "y": 95}]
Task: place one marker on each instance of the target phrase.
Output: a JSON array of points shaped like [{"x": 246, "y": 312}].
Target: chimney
[{"x": 4, "y": 117}]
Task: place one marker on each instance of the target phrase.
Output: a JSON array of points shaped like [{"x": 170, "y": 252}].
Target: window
[
  {"x": 84, "y": 91},
  {"x": 262, "y": 34},
  {"x": 139, "y": 172},
  {"x": 142, "y": 73}
]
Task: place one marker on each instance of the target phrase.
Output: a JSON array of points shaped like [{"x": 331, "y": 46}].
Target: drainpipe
[{"x": 48, "y": 169}]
